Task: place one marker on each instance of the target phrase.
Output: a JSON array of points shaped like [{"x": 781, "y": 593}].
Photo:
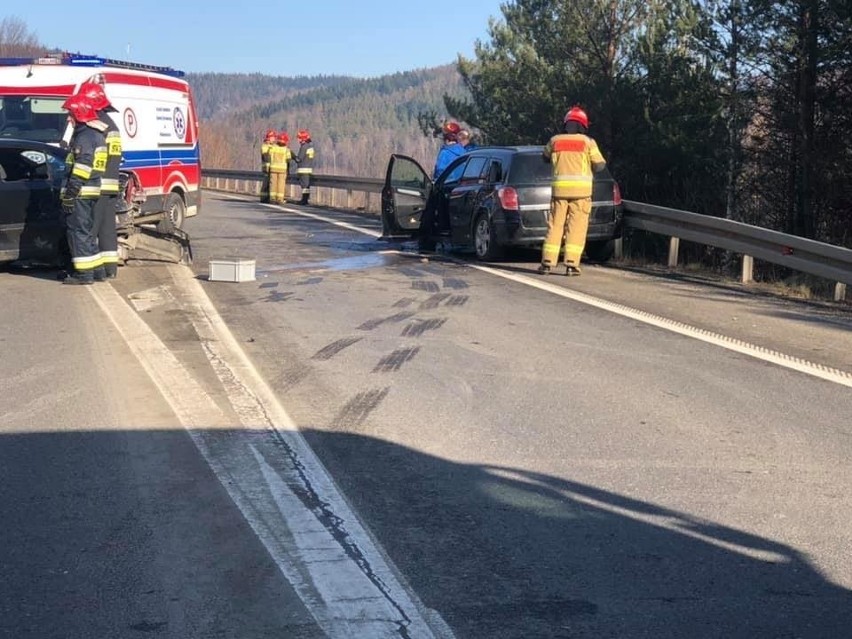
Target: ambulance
[{"x": 154, "y": 110}]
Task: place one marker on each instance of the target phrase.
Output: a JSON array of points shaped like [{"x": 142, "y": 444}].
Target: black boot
[
  {"x": 304, "y": 199},
  {"x": 78, "y": 280}
]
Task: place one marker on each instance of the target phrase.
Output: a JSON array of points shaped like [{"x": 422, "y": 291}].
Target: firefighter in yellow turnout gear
[
  {"x": 279, "y": 157},
  {"x": 268, "y": 142},
  {"x": 574, "y": 156}
]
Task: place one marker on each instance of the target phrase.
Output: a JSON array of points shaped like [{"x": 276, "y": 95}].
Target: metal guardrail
[{"x": 831, "y": 262}]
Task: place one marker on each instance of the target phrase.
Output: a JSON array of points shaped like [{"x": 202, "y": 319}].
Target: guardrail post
[
  {"x": 217, "y": 184},
  {"x": 839, "y": 292},
  {"x": 748, "y": 269},
  {"x": 349, "y": 199},
  {"x": 618, "y": 251},
  {"x": 674, "y": 248}
]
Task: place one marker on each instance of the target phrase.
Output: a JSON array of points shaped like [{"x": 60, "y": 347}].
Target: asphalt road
[
  {"x": 526, "y": 464},
  {"x": 111, "y": 523}
]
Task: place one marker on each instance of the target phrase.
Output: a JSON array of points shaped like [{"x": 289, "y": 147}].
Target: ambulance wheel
[{"x": 176, "y": 208}]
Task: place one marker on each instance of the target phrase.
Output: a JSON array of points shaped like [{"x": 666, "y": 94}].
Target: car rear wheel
[
  {"x": 176, "y": 209},
  {"x": 484, "y": 243},
  {"x": 600, "y": 250}
]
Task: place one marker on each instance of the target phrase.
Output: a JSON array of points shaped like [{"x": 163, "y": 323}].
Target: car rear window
[{"x": 529, "y": 168}]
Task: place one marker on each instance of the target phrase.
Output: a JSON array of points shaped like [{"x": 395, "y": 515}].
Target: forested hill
[
  {"x": 355, "y": 123},
  {"x": 219, "y": 94}
]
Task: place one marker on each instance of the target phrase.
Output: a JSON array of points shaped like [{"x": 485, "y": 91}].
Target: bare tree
[{"x": 17, "y": 40}]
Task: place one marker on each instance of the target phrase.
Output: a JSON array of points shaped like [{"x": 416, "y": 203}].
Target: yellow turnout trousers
[
  {"x": 277, "y": 186},
  {"x": 566, "y": 230}
]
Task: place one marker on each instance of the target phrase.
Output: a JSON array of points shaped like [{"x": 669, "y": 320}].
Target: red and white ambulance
[{"x": 155, "y": 113}]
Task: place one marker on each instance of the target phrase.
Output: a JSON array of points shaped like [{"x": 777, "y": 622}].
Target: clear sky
[{"x": 283, "y": 37}]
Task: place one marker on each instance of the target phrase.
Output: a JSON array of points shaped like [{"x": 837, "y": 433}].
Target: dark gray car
[
  {"x": 487, "y": 200},
  {"x": 31, "y": 175}
]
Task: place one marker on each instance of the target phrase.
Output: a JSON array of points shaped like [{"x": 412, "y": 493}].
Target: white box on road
[{"x": 237, "y": 270}]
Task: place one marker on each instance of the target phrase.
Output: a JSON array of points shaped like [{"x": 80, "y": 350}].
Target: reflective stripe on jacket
[{"x": 573, "y": 156}]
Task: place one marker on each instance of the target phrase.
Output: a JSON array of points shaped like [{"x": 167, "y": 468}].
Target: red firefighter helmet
[
  {"x": 270, "y": 135},
  {"x": 80, "y": 108},
  {"x": 576, "y": 114},
  {"x": 451, "y": 128},
  {"x": 94, "y": 93},
  {"x": 303, "y": 135},
  {"x": 284, "y": 138}
]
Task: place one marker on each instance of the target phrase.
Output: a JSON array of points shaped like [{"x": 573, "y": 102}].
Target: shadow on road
[{"x": 113, "y": 529}]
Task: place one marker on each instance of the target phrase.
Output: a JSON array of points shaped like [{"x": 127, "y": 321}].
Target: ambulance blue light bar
[{"x": 79, "y": 60}]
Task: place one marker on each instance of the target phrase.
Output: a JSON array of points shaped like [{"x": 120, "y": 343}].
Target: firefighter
[
  {"x": 279, "y": 156},
  {"x": 574, "y": 156},
  {"x": 106, "y": 208},
  {"x": 305, "y": 163},
  {"x": 86, "y": 161},
  {"x": 268, "y": 141},
  {"x": 450, "y": 150}
]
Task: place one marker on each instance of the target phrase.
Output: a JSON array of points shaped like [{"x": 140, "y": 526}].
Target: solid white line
[
  {"x": 342, "y": 575},
  {"x": 189, "y": 401},
  {"x": 730, "y": 343}
]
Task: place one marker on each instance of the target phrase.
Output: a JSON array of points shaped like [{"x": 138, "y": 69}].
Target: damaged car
[{"x": 32, "y": 228}]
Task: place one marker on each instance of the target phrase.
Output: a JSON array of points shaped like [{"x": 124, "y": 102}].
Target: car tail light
[
  {"x": 508, "y": 198},
  {"x": 616, "y": 194}
]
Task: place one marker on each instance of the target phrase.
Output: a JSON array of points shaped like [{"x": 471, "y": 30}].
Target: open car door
[{"x": 404, "y": 197}]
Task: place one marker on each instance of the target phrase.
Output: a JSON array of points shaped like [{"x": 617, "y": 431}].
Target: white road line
[
  {"x": 730, "y": 343},
  {"x": 283, "y": 491}
]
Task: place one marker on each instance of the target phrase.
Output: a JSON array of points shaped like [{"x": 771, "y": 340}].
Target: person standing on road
[
  {"x": 86, "y": 162},
  {"x": 279, "y": 156},
  {"x": 105, "y": 209},
  {"x": 305, "y": 163},
  {"x": 268, "y": 141},
  {"x": 450, "y": 150},
  {"x": 574, "y": 156}
]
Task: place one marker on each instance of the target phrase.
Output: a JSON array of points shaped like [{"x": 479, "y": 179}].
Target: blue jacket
[{"x": 448, "y": 153}]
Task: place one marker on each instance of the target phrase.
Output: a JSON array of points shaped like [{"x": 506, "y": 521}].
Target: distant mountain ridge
[{"x": 355, "y": 123}]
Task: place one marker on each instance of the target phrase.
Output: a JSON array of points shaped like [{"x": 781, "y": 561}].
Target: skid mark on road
[
  {"x": 433, "y": 301},
  {"x": 454, "y": 283},
  {"x": 327, "y": 352},
  {"x": 278, "y": 296},
  {"x": 373, "y": 324},
  {"x": 458, "y": 300},
  {"x": 358, "y": 409},
  {"x": 395, "y": 360},
  {"x": 425, "y": 285},
  {"x": 419, "y": 327}
]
